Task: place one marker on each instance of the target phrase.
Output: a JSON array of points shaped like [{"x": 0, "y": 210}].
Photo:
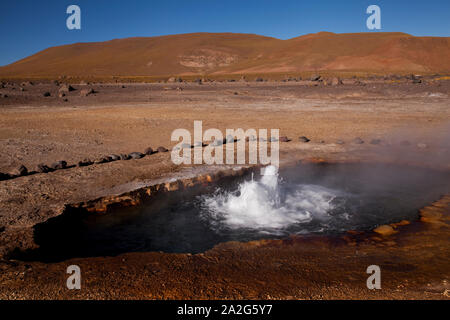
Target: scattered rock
[
  {"x": 358, "y": 141},
  {"x": 59, "y": 165},
  {"x": 336, "y": 81},
  {"x": 375, "y": 141},
  {"x": 174, "y": 79},
  {"x": 20, "y": 171},
  {"x": 304, "y": 139},
  {"x": 2, "y": 95},
  {"x": 46, "y": 94},
  {"x": 102, "y": 160},
  {"x": 66, "y": 88},
  {"x": 86, "y": 92},
  {"x": 284, "y": 139},
  {"x": 42, "y": 168},
  {"x": 162, "y": 149},
  {"x": 339, "y": 141},
  {"x": 85, "y": 163},
  {"x": 259, "y": 79},
  {"x": 358, "y": 83},
  {"x": 315, "y": 77},
  {"x": 401, "y": 223},
  {"x": 149, "y": 151},
  {"x": 61, "y": 95},
  {"x": 136, "y": 155},
  {"x": 114, "y": 157},
  {"x": 385, "y": 230}
]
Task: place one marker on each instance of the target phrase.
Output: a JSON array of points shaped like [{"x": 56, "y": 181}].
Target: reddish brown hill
[{"x": 226, "y": 53}]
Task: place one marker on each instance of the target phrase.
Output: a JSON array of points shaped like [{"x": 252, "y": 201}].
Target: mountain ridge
[{"x": 238, "y": 53}]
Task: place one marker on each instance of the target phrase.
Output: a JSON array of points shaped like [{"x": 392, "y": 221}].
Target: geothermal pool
[{"x": 325, "y": 199}]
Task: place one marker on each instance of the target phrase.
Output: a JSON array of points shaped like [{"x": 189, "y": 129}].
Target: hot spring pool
[{"x": 308, "y": 199}]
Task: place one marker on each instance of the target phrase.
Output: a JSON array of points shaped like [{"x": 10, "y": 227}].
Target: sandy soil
[{"x": 36, "y": 129}]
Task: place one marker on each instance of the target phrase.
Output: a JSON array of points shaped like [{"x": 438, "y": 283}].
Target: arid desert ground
[{"x": 121, "y": 118}]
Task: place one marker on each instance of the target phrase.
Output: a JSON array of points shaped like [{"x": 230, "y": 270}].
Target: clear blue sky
[{"x": 28, "y": 26}]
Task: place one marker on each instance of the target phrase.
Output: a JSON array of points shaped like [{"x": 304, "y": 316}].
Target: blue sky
[{"x": 28, "y": 26}]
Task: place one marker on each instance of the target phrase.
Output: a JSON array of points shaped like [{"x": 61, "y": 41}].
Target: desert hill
[{"x": 230, "y": 53}]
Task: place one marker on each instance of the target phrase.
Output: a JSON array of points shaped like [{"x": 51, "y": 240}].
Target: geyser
[{"x": 326, "y": 199}]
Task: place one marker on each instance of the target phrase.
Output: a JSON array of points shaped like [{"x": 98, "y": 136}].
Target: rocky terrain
[{"x": 62, "y": 146}]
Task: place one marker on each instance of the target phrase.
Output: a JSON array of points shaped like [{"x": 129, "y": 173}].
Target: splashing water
[{"x": 267, "y": 205}]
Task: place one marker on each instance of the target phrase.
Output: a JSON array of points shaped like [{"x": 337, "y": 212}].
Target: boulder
[
  {"x": 358, "y": 141},
  {"x": 58, "y": 165},
  {"x": 304, "y": 139},
  {"x": 114, "y": 157},
  {"x": 336, "y": 81},
  {"x": 136, "y": 155},
  {"x": 102, "y": 160},
  {"x": 66, "y": 88},
  {"x": 86, "y": 92},
  {"x": 85, "y": 163},
  {"x": 42, "y": 168},
  {"x": 375, "y": 141},
  {"x": 20, "y": 171},
  {"x": 124, "y": 157},
  {"x": 162, "y": 149},
  {"x": 149, "y": 151},
  {"x": 385, "y": 230}
]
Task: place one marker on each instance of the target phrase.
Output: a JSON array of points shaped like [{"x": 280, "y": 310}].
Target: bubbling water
[{"x": 267, "y": 205}]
